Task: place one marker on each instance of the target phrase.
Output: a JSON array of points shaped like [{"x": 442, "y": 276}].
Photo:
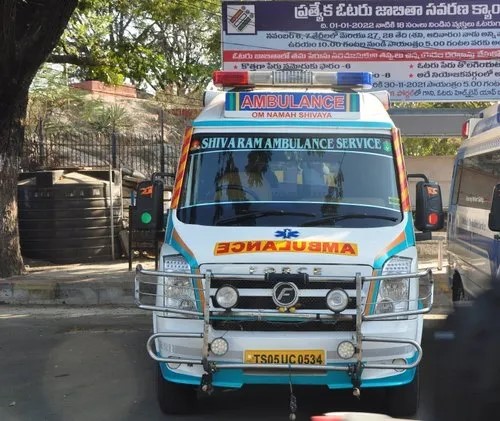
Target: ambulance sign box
[{"x": 304, "y": 105}]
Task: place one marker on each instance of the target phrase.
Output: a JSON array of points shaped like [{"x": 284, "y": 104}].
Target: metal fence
[{"x": 145, "y": 154}]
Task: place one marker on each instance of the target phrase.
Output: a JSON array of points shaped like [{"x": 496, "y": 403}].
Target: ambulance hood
[{"x": 318, "y": 245}]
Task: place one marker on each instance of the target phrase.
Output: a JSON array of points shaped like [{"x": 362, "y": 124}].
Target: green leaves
[
  {"x": 431, "y": 146},
  {"x": 160, "y": 44}
]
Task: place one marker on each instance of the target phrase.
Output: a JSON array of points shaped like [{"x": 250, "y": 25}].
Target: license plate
[{"x": 303, "y": 356}]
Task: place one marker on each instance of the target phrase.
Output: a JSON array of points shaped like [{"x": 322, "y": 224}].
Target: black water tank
[{"x": 66, "y": 218}]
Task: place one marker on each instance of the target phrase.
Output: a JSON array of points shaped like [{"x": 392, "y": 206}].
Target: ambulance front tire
[
  {"x": 402, "y": 401},
  {"x": 174, "y": 398}
]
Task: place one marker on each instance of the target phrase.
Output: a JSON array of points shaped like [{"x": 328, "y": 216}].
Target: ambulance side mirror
[
  {"x": 429, "y": 215},
  {"x": 494, "y": 216}
]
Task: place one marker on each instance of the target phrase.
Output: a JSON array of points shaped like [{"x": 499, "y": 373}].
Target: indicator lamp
[{"x": 146, "y": 217}]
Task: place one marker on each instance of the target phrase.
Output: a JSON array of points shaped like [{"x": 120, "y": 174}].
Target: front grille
[
  {"x": 344, "y": 325},
  {"x": 267, "y": 303},
  {"x": 256, "y": 295},
  {"x": 250, "y": 283}
]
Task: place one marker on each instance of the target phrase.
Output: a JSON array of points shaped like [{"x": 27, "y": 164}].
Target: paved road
[{"x": 90, "y": 364}]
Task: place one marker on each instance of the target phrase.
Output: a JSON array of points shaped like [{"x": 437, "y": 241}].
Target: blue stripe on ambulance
[
  {"x": 410, "y": 241},
  {"x": 191, "y": 261},
  {"x": 293, "y": 123},
  {"x": 379, "y": 263}
]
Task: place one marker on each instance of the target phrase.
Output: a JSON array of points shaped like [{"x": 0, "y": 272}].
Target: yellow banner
[{"x": 282, "y": 246}]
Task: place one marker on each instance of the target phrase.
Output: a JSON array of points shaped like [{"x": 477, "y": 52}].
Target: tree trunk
[
  {"x": 11, "y": 138},
  {"x": 28, "y": 33}
]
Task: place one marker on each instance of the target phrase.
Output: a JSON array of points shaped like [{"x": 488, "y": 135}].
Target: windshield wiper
[
  {"x": 336, "y": 218},
  {"x": 260, "y": 214}
]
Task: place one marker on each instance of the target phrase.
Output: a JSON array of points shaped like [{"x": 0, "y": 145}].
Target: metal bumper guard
[{"x": 353, "y": 369}]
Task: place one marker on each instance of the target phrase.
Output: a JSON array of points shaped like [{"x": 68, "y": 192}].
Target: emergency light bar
[
  {"x": 243, "y": 79},
  {"x": 486, "y": 124}
]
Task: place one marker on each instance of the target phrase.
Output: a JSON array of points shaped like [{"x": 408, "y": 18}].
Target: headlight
[
  {"x": 337, "y": 300},
  {"x": 385, "y": 306},
  {"x": 394, "y": 294},
  {"x": 226, "y": 296},
  {"x": 396, "y": 289},
  {"x": 178, "y": 292}
]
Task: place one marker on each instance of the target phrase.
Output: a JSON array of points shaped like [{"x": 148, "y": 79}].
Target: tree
[
  {"x": 29, "y": 30},
  {"x": 168, "y": 45},
  {"x": 431, "y": 146}
]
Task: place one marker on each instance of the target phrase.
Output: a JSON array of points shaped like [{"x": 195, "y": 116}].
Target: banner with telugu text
[{"x": 417, "y": 50}]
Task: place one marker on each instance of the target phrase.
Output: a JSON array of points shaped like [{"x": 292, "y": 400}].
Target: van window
[
  {"x": 275, "y": 179},
  {"x": 456, "y": 182},
  {"x": 480, "y": 174}
]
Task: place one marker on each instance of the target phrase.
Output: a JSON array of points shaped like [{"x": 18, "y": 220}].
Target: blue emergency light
[{"x": 364, "y": 79}]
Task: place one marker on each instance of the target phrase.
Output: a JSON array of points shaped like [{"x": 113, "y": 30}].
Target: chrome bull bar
[
  {"x": 354, "y": 369},
  {"x": 287, "y": 367}
]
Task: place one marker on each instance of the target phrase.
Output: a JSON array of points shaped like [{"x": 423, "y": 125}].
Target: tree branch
[{"x": 73, "y": 59}]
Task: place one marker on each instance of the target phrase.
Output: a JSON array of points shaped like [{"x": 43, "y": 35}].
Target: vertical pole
[
  {"x": 130, "y": 236},
  {"x": 41, "y": 142},
  {"x": 359, "y": 317},
  {"x": 113, "y": 149},
  {"x": 440, "y": 254},
  {"x": 112, "y": 213},
  {"x": 162, "y": 141}
]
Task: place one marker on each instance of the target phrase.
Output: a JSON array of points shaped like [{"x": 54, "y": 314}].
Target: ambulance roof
[{"x": 489, "y": 119}]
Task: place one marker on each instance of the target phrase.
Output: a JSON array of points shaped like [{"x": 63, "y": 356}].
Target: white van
[
  {"x": 473, "y": 242},
  {"x": 289, "y": 256}
]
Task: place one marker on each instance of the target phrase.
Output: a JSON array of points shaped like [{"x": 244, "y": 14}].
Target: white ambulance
[{"x": 289, "y": 256}]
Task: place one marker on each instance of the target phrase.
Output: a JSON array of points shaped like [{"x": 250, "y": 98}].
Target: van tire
[
  {"x": 402, "y": 401},
  {"x": 457, "y": 289},
  {"x": 174, "y": 398}
]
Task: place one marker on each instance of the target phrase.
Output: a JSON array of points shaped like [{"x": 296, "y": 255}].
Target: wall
[
  {"x": 97, "y": 87},
  {"x": 436, "y": 168}
]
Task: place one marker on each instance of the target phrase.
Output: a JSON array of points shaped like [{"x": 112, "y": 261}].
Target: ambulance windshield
[{"x": 250, "y": 179}]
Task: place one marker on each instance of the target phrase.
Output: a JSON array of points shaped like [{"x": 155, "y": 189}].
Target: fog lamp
[
  {"x": 219, "y": 346},
  {"x": 399, "y": 361},
  {"x": 337, "y": 300},
  {"x": 346, "y": 350},
  {"x": 172, "y": 365},
  {"x": 226, "y": 296}
]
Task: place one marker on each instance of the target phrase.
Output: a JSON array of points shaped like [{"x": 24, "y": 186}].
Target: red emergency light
[
  {"x": 465, "y": 129},
  {"x": 227, "y": 78}
]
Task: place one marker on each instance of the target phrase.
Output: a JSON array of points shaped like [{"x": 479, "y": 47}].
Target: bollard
[{"x": 440, "y": 254}]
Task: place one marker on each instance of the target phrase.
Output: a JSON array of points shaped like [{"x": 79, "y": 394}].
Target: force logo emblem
[{"x": 285, "y": 294}]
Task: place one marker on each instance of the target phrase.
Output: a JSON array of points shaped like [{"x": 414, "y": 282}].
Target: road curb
[
  {"x": 70, "y": 293},
  {"x": 113, "y": 284}
]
